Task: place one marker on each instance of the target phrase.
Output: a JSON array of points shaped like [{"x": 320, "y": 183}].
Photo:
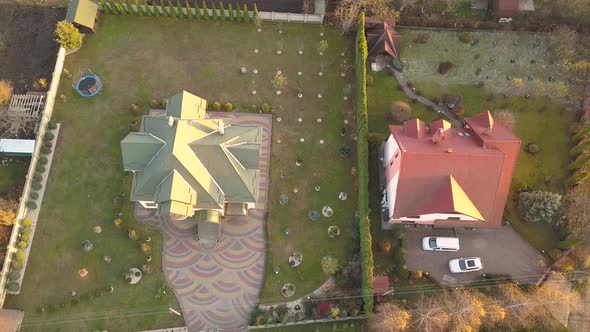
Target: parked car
[
  {"x": 468, "y": 264},
  {"x": 440, "y": 243}
]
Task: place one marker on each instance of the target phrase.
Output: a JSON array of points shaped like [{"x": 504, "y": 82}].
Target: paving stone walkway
[{"x": 218, "y": 286}]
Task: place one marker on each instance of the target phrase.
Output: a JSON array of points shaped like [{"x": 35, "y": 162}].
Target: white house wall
[{"x": 428, "y": 219}]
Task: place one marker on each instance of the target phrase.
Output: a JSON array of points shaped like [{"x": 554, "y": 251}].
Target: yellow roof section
[{"x": 461, "y": 201}]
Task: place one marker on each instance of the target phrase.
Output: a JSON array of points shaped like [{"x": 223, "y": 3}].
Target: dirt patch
[{"x": 27, "y": 46}]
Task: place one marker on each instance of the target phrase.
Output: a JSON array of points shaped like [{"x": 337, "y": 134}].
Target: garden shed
[
  {"x": 83, "y": 14},
  {"x": 17, "y": 147},
  {"x": 383, "y": 43}
]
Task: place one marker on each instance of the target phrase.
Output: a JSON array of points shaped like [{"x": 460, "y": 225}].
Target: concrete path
[
  {"x": 425, "y": 101},
  {"x": 218, "y": 286}
]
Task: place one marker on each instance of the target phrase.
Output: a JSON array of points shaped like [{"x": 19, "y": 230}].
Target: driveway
[
  {"x": 218, "y": 285},
  {"x": 502, "y": 251}
]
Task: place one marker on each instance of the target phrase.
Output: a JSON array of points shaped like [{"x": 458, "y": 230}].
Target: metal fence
[{"x": 22, "y": 208}]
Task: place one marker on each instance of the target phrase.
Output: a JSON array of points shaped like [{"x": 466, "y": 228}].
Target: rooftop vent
[
  {"x": 450, "y": 150},
  {"x": 170, "y": 121}
]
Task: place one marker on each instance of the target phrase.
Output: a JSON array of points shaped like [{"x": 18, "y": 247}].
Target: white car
[
  {"x": 468, "y": 264},
  {"x": 440, "y": 243}
]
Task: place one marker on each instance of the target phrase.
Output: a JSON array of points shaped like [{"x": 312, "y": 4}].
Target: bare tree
[
  {"x": 465, "y": 309},
  {"x": 505, "y": 117},
  {"x": 346, "y": 13},
  {"x": 577, "y": 210},
  {"x": 16, "y": 124},
  {"x": 429, "y": 315},
  {"x": 407, "y": 4},
  {"x": 390, "y": 318}
]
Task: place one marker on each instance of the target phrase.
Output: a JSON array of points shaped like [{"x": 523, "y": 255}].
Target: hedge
[
  {"x": 363, "y": 167},
  {"x": 579, "y": 163},
  {"x": 581, "y": 134}
]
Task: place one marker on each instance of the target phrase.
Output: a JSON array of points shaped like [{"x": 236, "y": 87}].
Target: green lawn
[
  {"x": 142, "y": 58},
  {"x": 13, "y": 173}
]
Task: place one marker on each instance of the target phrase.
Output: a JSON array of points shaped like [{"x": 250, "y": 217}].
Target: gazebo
[
  {"x": 383, "y": 44},
  {"x": 83, "y": 14}
]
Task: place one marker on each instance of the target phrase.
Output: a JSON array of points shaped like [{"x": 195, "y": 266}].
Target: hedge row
[
  {"x": 179, "y": 9},
  {"x": 363, "y": 167}
]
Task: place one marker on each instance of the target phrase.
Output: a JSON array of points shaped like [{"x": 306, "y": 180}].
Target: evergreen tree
[
  {"x": 197, "y": 11},
  {"x": 139, "y": 11},
  {"x": 205, "y": 11},
  {"x": 215, "y": 17},
  {"x": 156, "y": 10},
  {"x": 221, "y": 11},
  {"x": 128, "y": 8},
  {"x": 189, "y": 12},
  {"x": 106, "y": 8},
  {"x": 147, "y": 9},
  {"x": 231, "y": 12},
  {"x": 238, "y": 13},
  {"x": 119, "y": 9},
  {"x": 255, "y": 13},
  {"x": 179, "y": 12},
  {"x": 170, "y": 8},
  {"x": 246, "y": 16}
]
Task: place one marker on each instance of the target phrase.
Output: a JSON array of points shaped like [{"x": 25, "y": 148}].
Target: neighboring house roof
[
  {"x": 381, "y": 284},
  {"x": 10, "y": 320},
  {"x": 195, "y": 162},
  {"x": 506, "y": 7},
  {"x": 82, "y": 12},
  {"x": 383, "y": 40},
  {"x": 467, "y": 170}
]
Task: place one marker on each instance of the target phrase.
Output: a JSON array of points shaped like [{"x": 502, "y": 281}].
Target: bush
[
  {"x": 34, "y": 195},
  {"x": 455, "y": 103},
  {"x": 20, "y": 255},
  {"x": 36, "y": 185},
  {"x": 26, "y": 231},
  {"x": 569, "y": 243},
  {"x": 31, "y": 205},
  {"x": 43, "y": 160},
  {"x": 576, "y": 179},
  {"x": 330, "y": 265},
  {"x": 25, "y": 237},
  {"x": 579, "y": 163},
  {"x": 23, "y": 244},
  {"x": 154, "y": 103},
  {"x": 229, "y": 107},
  {"x": 37, "y": 177},
  {"x": 370, "y": 80},
  {"x": 444, "y": 67},
  {"x": 216, "y": 106},
  {"x": 539, "y": 206},
  {"x": 422, "y": 38},
  {"x": 506, "y": 118},
  {"x": 40, "y": 168},
  {"x": 400, "y": 111},
  {"x": 385, "y": 246},
  {"x": 6, "y": 90},
  {"x": 13, "y": 286},
  {"x": 136, "y": 110},
  {"x": 27, "y": 222},
  {"x": 466, "y": 37},
  {"x": 17, "y": 265},
  {"x": 45, "y": 150},
  {"x": 48, "y": 144},
  {"x": 14, "y": 275},
  {"x": 68, "y": 35},
  {"x": 532, "y": 148},
  {"x": 265, "y": 108},
  {"x": 48, "y": 136},
  {"x": 253, "y": 108},
  {"x": 51, "y": 125},
  {"x": 582, "y": 133}
]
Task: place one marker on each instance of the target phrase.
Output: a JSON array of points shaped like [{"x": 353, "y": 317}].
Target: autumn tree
[
  {"x": 428, "y": 314},
  {"x": 7, "y": 211},
  {"x": 465, "y": 309},
  {"x": 346, "y": 14},
  {"x": 390, "y": 318}
]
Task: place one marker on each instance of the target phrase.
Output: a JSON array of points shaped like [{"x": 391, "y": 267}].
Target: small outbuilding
[
  {"x": 83, "y": 14},
  {"x": 383, "y": 43}
]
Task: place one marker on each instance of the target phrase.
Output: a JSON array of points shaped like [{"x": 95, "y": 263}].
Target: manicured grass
[
  {"x": 139, "y": 58},
  {"x": 13, "y": 173}
]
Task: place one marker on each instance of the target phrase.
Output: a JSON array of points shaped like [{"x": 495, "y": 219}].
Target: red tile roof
[
  {"x": 10, "y": 320},
  {"x": 506, "y": 7},
  {"x": 383, "y": 39},
  {"x": 481, "y": 161},
  {"x": 380, "y": 284}
]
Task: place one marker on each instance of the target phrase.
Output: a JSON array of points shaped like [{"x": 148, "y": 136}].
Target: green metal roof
[
  {"x": 198, "y": 160},
  {"x": 82, "y": 12}
]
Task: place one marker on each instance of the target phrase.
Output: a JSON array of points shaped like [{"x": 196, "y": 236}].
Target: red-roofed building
[
  {"x": 448, "y": 177},
  {"x": 381, "y": 285}
]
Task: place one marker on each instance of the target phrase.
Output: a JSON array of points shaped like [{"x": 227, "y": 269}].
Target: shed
[
  {"x": 83, "y": 14},
  {"x": 10, "y": 320},
  {"x": 381, "y": 285},
  {"x": 384, "y": 42},
  {"x": 17, "y": 147}
]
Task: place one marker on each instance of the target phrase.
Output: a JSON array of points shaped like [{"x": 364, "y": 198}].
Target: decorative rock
[
  {"x": 342, "y": 196},
  {"x": 297, "y": 307},
  {"x": 300, "y": 52},
  {"x": 343, "y": 74},
  {"x": 278, "y": 92},
  {"x": 253, "y": 92},
  {"x": 295, "y": 190},
  {"x": 322, "y": 141},
  {"x": 299, "y": 119},
  {"x": 255, "y": 71},
  {"x": 243, "y": 70},
  {"x": 279, "y": 119},
  {"x": 256, "y": 51},
  {"x": 319, "y": 120},
  {"x": 317, "y": 188},
  {"x": 73, "y": 293},
  {"x": 321, "y": 53},
  {"x": 97, "y": 229},
  {"x": 320, "y": 96},
  {"x": 346, "y": 122},
  {"x": 107, "y": 259},
  {"x": 86, "y": 246},
  {"x": 279, "y": 52},
  {"x": 321, "y": 73},
  {"x": 259, "y": 30},
  {"x": 299, "y": 73},
  {"x": 327, "y": 211},
  {"x": 345, "y": 98},
  {"x": 83, "y": 273},
  {"x": 302, "y": 140},
  {"x": 280, "y": 31},
  {"x": 342, "y": 54},
  {"x": 279, "y": 72},
  {"x": 300, "y": 95},
  {"x": 321, "y": 34},
  {"x": 283, "y": 199}
]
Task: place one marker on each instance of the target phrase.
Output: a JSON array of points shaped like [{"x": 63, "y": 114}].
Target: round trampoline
[{"x": 89, "y": 86}]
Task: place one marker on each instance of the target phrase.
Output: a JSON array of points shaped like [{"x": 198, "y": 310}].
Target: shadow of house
[{"x": 83, "y": 14}]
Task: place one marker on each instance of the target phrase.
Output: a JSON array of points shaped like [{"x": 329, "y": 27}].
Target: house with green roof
[
  {"x": 83, "y": 14},
  {"x": 188, "y": 163}
]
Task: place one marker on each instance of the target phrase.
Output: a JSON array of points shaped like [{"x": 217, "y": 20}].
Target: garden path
[
  {"x": 218, "y": 287},
  {"x": 423, "y": 100}
]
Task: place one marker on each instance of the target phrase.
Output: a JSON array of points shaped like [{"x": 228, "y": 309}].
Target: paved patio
[
  {"x": 218, "y": 285},
  {"x": 502, "y": 251}
]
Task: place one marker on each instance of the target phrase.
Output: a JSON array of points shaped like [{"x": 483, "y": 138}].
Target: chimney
[
  {"x": 170, "y": 121},
  {"x": 221, "y": 128},
  {"x": 438, "y": 135}
]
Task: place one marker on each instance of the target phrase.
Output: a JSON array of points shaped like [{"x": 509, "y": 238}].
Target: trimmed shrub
[
  {"x": 48, "y": 144},
  {"x": 576, "y": 150},
  {"x": 466, "y": 37},
  {"x": 43, "y": 160},
  {"x": 246, "y": 15},
  {"x": 17, "y": 265},
  {"x": 68, "y": 35},
  {"x": 31, "y": 205},
  {"x": 37, "y": 177},
  {"x": 51, "y": 125},
  {"x": 179, "y": 11},
  {"x": 579, "y": 163},
  {"x": 581, "y": 134},
  {"x": 532, "y": 148},
  {"x": 363, "y": 167},
  {"x": 45, "y": 150},
  {"x": 216, "y": 106},
  {"x": 230, "y": 10},
  {"x": 222, "y": 12},
  {"x": 26, "y": 231},
  {"x": 33, "y": 195},
  {"x": 539, "y": 206},
  {"x": 6, "y": 90},
  {"x": 444, "y": 67},
  {"x": 14, "y": 275},
  {"x": 48, "y": 136},
  {"x": 253, "y": 108},
  {"x": 570, "y": 243},
  {"x": 25, "y": 237},
  {"x": 189, "y": 12},
  {"x": 27, "y": 222},
  {"x": 23, "y": 244},
  {"x": 36, "y": 185},
  {"x": 229, "y": 107},
  {"x": 205, "y": 11},
  {"x": 370, "y": 80},
  {"x": 215, "y": 16},
  {"x": 13, "y": 286},
  {"x": 265, "y": 108},
  {"x": 20, "y": 255},
  {"x": 422, "y": 38},
  {"x": 400, "y": 111},
  {"x": 40, "y": 168}
]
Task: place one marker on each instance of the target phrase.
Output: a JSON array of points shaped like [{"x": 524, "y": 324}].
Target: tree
[
  {"x": 465, "y": 309},
  {"x": 16, "y": 124},
  {"x": 179, "y": 11},
  {"x": 280, "y": 81},
  {"x": 307, "y": 6},
  {"x": 539, "y": 206},
  {"x": 400, "y": 111},
  {"x": 407, "y": 4},
  {"x": 8, "y": 211},
  {"x": 231, "y": 12},
  {"x": 68, "y": 35},
  {"x": 428, "y": 315},
  {"x": 215, "y": 16},
  {"x": 390, "y": 318},
  {"x": 246, "y": 15},
  {"x": 6, "y": 90},
  {"x": 506, "y": 118},
  {"x": 138, "y": 6},
  {"x": 205, "y": 11},
  {"x": 346, "y": 14},
  {"x": 577, "y": 210},
  {"x": 189, "y": 12},
  {"x": 222, "y": 11},
  {"x": 330, "y": 265},
  {"x": 381, "y": 9}
]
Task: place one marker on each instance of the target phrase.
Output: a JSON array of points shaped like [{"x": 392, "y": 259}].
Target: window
[
  {"x": 413, "y": 217},
  {"x": 467, "y": 134},
  {"x": 460, "y": 134},
  {"x": 453, "y": 218}
]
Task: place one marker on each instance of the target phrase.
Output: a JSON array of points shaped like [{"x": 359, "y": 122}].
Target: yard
[{"x": 143, "y": 58}]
